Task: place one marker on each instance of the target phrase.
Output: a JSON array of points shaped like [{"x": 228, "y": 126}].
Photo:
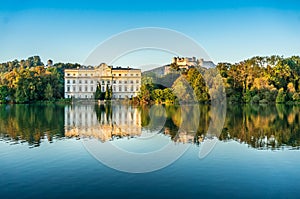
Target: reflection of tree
[
  {"x": 31, "y": 122},
  {"x": 190, "y": 121},
  {"x": 103, "y": 112},
  {"x": 259, "y": 126},
  {"x": 145, "y": 118},
  {"x": 263, "y": 126},
  {"x": 153, "y": 117}
]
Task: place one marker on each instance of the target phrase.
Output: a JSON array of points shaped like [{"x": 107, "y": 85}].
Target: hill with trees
[{"x": 270, "y": 79}]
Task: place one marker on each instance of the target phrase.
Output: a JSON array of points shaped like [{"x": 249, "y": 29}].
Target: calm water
[{"x": 44, "y": 151}]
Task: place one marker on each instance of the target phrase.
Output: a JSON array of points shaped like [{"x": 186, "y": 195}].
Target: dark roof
[{"x": 120, "y": 68}]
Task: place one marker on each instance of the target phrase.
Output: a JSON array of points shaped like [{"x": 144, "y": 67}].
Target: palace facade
[{"x": 82, "y": 82}]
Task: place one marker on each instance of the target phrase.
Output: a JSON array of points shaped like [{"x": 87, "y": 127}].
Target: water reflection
[
  {"x": 262, "y": 127},
  {"x": 31, "y": 123},
  {"x": 102, "y": 122}
]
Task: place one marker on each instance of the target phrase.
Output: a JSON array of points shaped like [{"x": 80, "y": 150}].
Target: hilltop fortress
[{"x": 183, "y": 63}]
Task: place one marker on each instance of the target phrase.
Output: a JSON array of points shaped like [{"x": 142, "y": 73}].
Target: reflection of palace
[{"x": 102, "y": 122}]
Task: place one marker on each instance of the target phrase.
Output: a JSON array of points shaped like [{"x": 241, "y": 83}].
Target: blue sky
[{"x": 68, "y": 31}]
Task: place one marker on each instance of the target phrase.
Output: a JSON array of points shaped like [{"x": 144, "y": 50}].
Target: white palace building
[{"x": 81, "y": 83}]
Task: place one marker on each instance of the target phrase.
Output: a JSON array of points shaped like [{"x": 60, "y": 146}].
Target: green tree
[
  {"x": 108, "y": 93},
  {"x": 4, "y": 92},
  {"x": 157, "y": 95},
  {"x": 280, "y": 96},
  {"x": 168, "y": 95},
  {"x": 183, "y": 90},
  {"x": 99, "y": 95},
  {"x": 49, "y": 92}
]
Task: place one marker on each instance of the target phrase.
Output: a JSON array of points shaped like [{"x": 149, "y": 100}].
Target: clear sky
[{"x": 67, "y": 31}]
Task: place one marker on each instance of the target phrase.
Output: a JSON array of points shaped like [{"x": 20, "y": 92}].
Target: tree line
[
  {"x": 29, "y": 80},
  {"x": 262, "y": 80},
  {"x": 270, "y": 79}
]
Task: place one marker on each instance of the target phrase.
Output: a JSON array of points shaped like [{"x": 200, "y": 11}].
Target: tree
[
  {"x": 296, "y": 97},
  {"x": 281, "y": 96},
  {"x": 3, "y": 93},
  {"x": 183, "y": 90},
  {"x": 157, "y": 95},
  {"x": 145, "y": 93},
  {"x": 99, "y": 95},
  {"x": 281, "y": 75},
  {"x": 108, "y": 93},
  {"x": 168, "y": 95},
  {"x": 200, "y": 89},
  {"x": 49, "y": 92}
]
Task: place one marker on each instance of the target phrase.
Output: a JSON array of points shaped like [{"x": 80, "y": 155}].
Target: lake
[{"x": 109, "y": 151}]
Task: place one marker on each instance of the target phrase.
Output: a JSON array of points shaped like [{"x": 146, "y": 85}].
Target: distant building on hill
[
  {"x": 82, "y": 82},
  {"x": 185, "y": 61},
  {"x": 206, "y": 64},
  {"x": 188, "y": 62}
]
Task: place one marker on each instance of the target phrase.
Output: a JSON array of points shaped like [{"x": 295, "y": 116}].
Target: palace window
[
  {"x": 137, "y": 81},
  {"x": 79, "y": 81},
  {"x": 74, "y": 81},
  {"x": 120, "y": 88},
  {"x": 68, "y": 88},
  {"x": 68, "y": 81}
]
